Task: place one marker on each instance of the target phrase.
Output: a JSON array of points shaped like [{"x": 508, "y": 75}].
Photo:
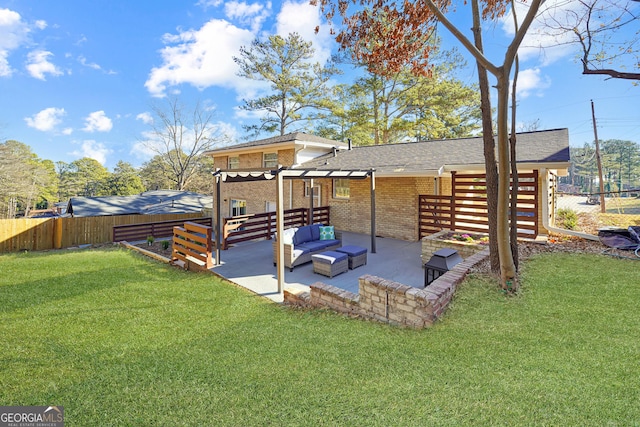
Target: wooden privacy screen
[
  {"x": 192, "y": 246},
  {"x": 466, "y": 208}
]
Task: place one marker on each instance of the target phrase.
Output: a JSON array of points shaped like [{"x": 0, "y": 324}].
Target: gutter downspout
[{"x": 545, "y": 217}]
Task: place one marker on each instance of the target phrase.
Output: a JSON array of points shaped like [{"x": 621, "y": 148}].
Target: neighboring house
[
  {"x": 403, "y": 172},
  {"x": 147, "y": 203}
]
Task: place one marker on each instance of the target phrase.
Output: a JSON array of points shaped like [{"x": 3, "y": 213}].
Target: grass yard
[
  {"x": 623, "y": 205},
  {"x": 120, "y": 340}
]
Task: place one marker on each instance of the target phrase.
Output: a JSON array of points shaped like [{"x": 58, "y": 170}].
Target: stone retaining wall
[{"x": 388, "y": 301}]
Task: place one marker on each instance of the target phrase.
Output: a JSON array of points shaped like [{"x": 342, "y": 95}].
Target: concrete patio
[{"x": 250, "y": 265}]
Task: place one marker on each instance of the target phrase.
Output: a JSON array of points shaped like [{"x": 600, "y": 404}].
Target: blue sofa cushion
[
  {"x": 313, "y": 246},
  {"x": 352, "y": 250},
  {"x": 330, "y": 242},
  {"x": 315, "y": 231},
  {"x": 302, "y": 235}
]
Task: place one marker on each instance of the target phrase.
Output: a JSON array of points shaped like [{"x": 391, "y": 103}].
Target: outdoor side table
[
  {"x": 357, "y": 255},
  {"x": 330, "y": 263}
]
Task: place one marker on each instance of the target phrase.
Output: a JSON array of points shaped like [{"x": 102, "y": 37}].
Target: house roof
[
  {"x": 288, "y": 139},
  {"x": 548, "y": 148},
  {"x": 149, "y": 202}
]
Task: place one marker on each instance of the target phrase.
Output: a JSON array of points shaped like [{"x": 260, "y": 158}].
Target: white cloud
[
  {"x": 252, "y": 15},
  {"x": 46, "y": 120},
  {"x": 205, "y": 4},
  {"x": 13, "y": 33},
  {"x": 67, "y": 131},
  {"x": 145, "y": 118},
  {"x": 94, "y": 150},
  {"x": 147, "y": 147},
  {"x": 97, "y": 122},
  {"x": 83, "y": 61},
  {"x": 38, "y": 64},
  {"x": 302, "y": 18},
  {"x": 5, "y": 68},
  {"x": 532, "y": 82},
  {"x": 202, "y": 58},
  {"x": 40, "y": 24}
]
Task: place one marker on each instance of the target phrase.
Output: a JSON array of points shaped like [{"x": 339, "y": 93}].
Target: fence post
[
  {"x": 57, "y": 233},
  {"x": 453, "y": 201}
]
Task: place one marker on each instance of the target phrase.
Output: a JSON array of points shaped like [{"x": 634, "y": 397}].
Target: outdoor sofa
[{"x": 300, "y": 243}]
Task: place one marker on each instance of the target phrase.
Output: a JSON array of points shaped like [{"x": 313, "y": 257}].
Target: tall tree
[
  {"x": 83, "y": 177},
  {"x": 155, "y": 174},
  {"x": 621, "y": 160},
  {"x": 25, "y": 180},
  {"x": 389, "y": 34},
  {"x": 124, "y": 181},
  {"x": 298, "y": 89},
  {"x": 179, "y": 136}
]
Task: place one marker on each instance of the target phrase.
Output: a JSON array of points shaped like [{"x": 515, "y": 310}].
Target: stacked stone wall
[{"x": 387, "y": 301}]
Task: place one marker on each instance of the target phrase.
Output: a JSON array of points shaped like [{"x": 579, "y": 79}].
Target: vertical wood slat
[{"x": 467, "y": 206}]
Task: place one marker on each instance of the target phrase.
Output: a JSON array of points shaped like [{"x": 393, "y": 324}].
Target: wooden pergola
[{"x": 280, "y": 174}]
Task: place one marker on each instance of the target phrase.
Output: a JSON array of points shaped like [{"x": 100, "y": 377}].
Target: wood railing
[
  {"x": 244, "y": 228},
  {"x": 160, "y": 229},
  {"x": 192, "y": 246}
]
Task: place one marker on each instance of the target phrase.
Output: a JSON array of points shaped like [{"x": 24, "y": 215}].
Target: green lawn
[{"x": 118, "y": 339}]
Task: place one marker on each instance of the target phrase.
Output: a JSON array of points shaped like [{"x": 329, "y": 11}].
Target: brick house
[{"x": 403, "y": 173}]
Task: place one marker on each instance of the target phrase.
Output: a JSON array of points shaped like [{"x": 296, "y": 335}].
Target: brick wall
[
  {"x": 388, "y": 301},
  {"x": 396, "y": 206}
]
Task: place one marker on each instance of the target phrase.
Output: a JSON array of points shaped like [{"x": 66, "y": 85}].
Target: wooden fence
[
  {"x": 38, "y": 234},
  {"x": 466, "y": 208}
]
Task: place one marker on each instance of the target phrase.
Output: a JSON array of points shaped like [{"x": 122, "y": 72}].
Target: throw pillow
[
  {"x": 287, "y": 236},
  {"x": 327, "y": 233}
]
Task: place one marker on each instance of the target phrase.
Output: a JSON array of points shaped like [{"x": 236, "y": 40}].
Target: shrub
[{"x": 567, "y": 219}]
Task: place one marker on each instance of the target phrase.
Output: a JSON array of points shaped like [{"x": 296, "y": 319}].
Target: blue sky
[{"x": 78, "y": 78}]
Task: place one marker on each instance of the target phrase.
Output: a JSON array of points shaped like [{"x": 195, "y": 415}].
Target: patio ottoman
[
  {"x": 330, "y": 263},
  {"x": 357, "y": 255}
]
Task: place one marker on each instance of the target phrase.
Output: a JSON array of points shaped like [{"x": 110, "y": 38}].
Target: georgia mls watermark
[{"x": 31, "y": 416}]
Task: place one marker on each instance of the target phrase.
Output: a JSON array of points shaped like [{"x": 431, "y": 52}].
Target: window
[
  {"x": 270, "y": 160},
  {"x": 234, "y": 162},
  {"x": 238, "y": 207},
  {"x": 341, "y": 188},
  {"x": 307, "y": 189}
]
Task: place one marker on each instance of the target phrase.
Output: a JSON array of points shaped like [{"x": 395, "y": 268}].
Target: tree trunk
[
  {"x": 489, "y": 145},
  {"x": 507, "y": 266},
  {"x": 514, "y": 170}
]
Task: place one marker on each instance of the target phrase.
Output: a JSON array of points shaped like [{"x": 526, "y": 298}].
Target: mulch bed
[{"x": 156, "y": 248}]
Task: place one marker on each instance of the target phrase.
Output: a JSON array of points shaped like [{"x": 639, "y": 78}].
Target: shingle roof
[
  {"x": 551, "y": 146},
  {"x": 150, "y": 202},
  {"x": 290, "y": 137}
]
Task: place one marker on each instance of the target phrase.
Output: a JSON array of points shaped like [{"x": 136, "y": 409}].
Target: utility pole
[{"x": 603, "y": 208}]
